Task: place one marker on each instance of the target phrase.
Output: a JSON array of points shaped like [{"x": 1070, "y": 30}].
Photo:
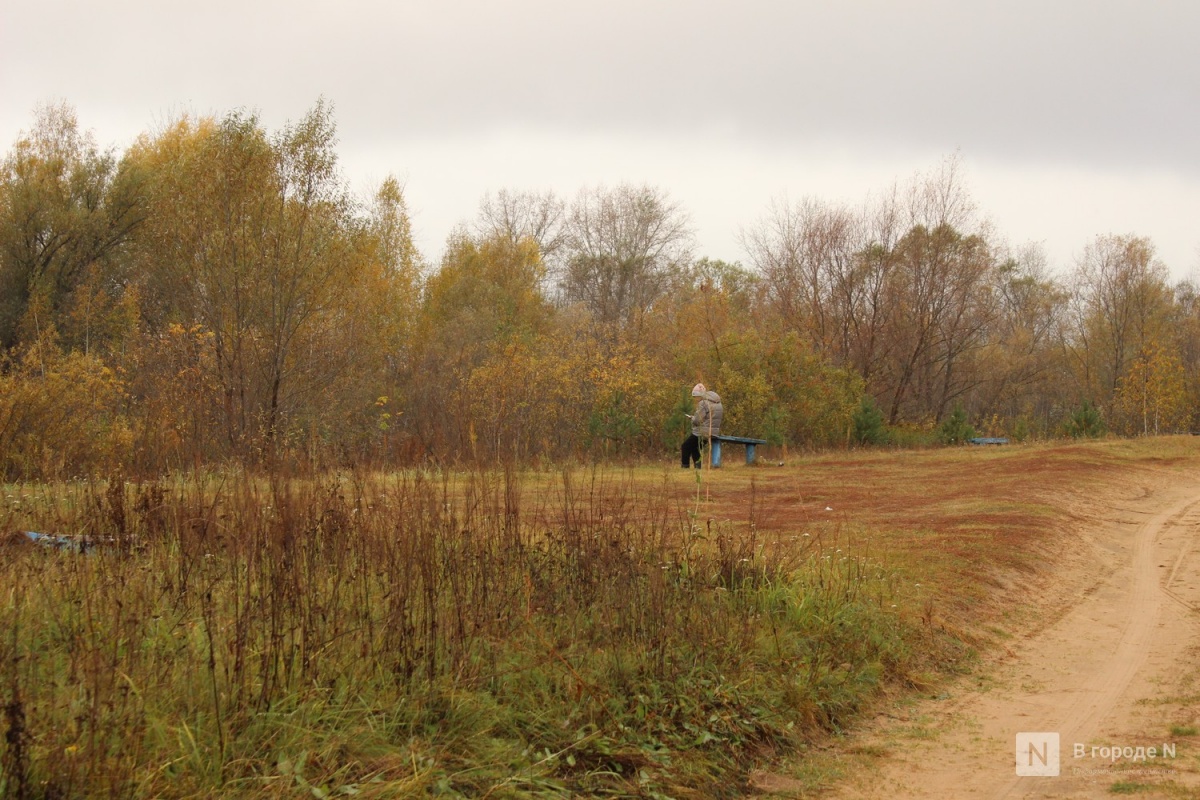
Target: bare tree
[
  {"x": 940, "y": 198},
  {"x": 540, "y": 216},
  {"x": 807, "y": 254},
  {"x": 624, "y": 246},
  {"x": 775, "y": 246}
]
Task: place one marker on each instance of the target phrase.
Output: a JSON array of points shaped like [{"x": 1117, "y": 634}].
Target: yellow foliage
[
  {"x": 61, "y": 414},
  {"x": 1152, "y": 396},
  {"x": 178, "y": 397},
  {"x": 556, "y": 393}
]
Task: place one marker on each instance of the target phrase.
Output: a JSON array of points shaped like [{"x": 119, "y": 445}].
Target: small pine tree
[
  {"x": 775, "y": 425},
  {"x": 1085, "y": 422},
  {"x": 868, "y": 423},
  {"x": 955, "y": 429}
]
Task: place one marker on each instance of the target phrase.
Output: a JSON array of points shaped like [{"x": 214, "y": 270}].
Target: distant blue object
[
  {"x": 988, "y": 440},
  {"x": 74, "y": 544},
  {"x": 750, "y": 445}
]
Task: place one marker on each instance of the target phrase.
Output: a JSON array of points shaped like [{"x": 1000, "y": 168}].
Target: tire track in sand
[{"x": 1081, "y": 676}]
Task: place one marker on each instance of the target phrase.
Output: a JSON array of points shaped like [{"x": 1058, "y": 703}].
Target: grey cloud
[{"x": 1085, "y": 81}]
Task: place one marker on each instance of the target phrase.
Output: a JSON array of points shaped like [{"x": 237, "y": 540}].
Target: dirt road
[{"x": 1113, "y": 663}]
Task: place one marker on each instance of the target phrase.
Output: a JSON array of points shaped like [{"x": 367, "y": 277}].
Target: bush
[{"x": 61, "y": 414}]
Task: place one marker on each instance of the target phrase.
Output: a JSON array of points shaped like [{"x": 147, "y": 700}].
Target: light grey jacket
[{"x": 709, "y": 410}]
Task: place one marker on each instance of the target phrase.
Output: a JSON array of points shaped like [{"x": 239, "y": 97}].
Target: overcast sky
[{"x": 1072, "y": 119}]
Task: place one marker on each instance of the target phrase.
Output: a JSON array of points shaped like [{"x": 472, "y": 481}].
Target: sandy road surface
[{"x": 1115, "y": 662}]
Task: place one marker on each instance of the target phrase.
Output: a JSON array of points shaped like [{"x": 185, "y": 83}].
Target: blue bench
[
  {"x": 988, "y": 440},
  {"x": 750, "y": 445}
]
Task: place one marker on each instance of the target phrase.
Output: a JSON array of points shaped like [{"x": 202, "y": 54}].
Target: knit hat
[{"x": 698, "y": 390}]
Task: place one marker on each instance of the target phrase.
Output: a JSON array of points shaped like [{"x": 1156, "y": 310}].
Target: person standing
[{"x": 706, "y": 423}]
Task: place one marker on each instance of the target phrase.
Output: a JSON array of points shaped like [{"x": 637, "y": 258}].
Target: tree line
[{"x": 217, "y": 292}]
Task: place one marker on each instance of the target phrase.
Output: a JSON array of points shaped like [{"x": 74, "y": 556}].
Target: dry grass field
[{"x": 588, "y": 631}]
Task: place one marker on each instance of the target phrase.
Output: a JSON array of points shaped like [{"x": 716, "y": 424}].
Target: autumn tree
[
  {"x": 697, "y": 333},
  {"x": 255, "y": 238},
  {"x": 941, "y": 279},
  {"x": 898, "y": 291},
  {"x": 715, "y": 328},
  {"x": 353, "y": 395},
  {"x": 1119, "y": 301},
  {"x": 1151, "y": 396},
  {"x": 867, "y": 295},
  {"x": 1185, "y": 321},
  {"x": 66, "y": 210},
  {"x": 943, "y": 293},
  {"x": 712, "y": 298},
  {"x": 483, "y": 301},
  {"x": 1025, "y": 366}
]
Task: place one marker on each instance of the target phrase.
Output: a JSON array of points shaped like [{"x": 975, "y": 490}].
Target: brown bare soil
[{"x": 1076, "y": 569}]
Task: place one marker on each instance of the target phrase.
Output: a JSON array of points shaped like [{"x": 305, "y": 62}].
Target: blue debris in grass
[{"x": 58, "y": 541}]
